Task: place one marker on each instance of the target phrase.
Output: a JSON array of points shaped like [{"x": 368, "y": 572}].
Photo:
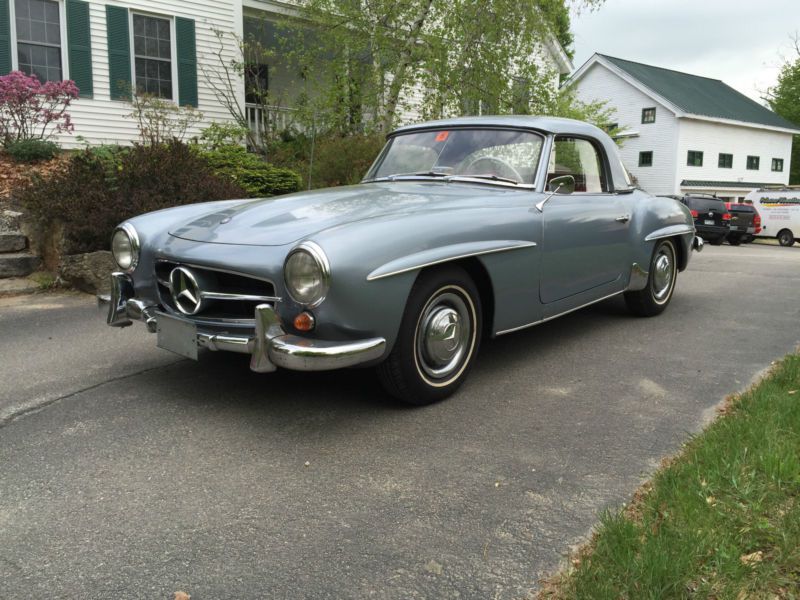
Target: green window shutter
[
  {"x": 187, "y": 61},
  {"x": 79, "y": 46},
  {"x": 119, "y": 52},
  {"x": 5, "y": 38}
]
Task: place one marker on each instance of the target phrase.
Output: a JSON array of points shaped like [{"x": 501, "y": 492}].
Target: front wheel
[
  {"x": 438, "y": 340},
  {"x": 785, "y": 237},
  {"x": 655, "y": 297}
]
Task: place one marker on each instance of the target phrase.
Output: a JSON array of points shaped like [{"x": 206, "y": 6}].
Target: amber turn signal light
[{"x": 304, "y": 321}]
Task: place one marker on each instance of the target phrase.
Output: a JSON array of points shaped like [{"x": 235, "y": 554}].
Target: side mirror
[{"x": 565, "y": 184}]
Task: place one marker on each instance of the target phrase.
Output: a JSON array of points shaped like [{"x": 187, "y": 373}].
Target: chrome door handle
[{"x": 623, "y": 218}]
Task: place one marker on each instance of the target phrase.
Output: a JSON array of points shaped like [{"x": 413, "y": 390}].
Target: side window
[{"x": 581, "y": 159}]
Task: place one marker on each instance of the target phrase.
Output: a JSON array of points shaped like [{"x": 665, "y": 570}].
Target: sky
[{"x": 741, "y": 42}]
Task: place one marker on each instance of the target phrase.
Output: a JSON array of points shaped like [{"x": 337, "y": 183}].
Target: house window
[
  {"x": 694, "y": 158},
  {"x": 649, "y": 115},
  {"x": 753, "y": 162},
  {"x": 152, "y": 51},
  {"x": 725, "y": 161},
  {"x": 646, "y": 159},
  {"x": 777, "y": 164},
  {"x": 38, "y": 24}
]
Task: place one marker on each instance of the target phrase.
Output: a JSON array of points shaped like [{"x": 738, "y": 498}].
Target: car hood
[{"x": 286, "y": 219}]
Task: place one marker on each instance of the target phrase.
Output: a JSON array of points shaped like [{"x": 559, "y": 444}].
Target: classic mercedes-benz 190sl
[{"x": 462, "y": 229}]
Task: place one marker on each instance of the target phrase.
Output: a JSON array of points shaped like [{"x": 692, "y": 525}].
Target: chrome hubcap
[
  {"x": 443, "y": 335},
  {"x": 663, "y": 272}
]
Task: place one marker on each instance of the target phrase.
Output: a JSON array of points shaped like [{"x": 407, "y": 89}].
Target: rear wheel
[
  {"x": 439, "y": 338},
  {"x": 655, "y": 297},
  {"x": 735, "y": 240},
  {"x": 717, "y": 241},
  {"x": 785, "y": 237}
]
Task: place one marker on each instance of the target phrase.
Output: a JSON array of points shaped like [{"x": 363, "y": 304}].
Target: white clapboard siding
[
  {"x": 660, "y": 138},
  {"x": 101, "y": 120},
  {"x": 715, "y": 138}
]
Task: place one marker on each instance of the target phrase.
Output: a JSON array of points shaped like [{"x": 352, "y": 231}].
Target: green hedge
[
  {"x": 251, "y": 172},
  {"x": 32, "y": 150},
  {"x": 100, "y": 187}
]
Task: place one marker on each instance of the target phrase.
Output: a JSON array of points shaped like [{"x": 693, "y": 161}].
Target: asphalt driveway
[{"x": 127, "y": 472}]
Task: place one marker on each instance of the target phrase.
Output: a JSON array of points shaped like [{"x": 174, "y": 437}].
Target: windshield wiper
[
  {"x": 430, "y": 173},
  {"x": 394, "y": 176},
  {"x": 491, "y": 177}
]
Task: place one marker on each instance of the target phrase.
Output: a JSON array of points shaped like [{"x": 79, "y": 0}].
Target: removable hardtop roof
[{"x": 552, "y": 125}]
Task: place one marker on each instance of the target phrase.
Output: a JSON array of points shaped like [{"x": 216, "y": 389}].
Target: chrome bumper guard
[
  {"x": 269, "y": 348},
  {"x": 698, "y": 243}
]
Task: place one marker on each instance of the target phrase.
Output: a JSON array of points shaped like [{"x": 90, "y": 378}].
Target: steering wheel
[{"x": 492, "y": 159}]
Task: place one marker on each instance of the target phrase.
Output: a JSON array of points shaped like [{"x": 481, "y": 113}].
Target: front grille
[{"x": 227, "y": 296}]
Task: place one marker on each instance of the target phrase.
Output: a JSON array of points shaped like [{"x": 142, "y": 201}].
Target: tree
[
  {"x": 468, "y": 56},
  {"x": 784, "y": 99}
]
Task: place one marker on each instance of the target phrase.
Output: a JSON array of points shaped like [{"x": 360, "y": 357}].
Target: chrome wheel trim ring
[
  {"x": 444, "y": 338},
  {"x": 663, "y": 273}
]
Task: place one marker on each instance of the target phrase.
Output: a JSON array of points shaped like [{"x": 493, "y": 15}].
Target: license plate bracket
[{"x": 177, "y": 335}]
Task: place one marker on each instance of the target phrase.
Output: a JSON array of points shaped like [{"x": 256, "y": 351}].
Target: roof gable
[{"x": 700, "y": 96}]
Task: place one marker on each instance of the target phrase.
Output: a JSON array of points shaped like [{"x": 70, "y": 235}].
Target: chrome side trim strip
[
  {"x": 670, "y": 231},
  {"x": 566, "y": 312},
  {"x": 517, "y": 246}
]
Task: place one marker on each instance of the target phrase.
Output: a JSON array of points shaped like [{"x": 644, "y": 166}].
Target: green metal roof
[
  {"x": 722, "y": 184},
  {"x": 700, "y": 95}
]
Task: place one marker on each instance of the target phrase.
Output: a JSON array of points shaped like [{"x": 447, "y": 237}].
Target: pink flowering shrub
[{"x": 33, "y": 110}]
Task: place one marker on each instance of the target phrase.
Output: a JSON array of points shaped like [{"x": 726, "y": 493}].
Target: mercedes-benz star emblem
[{"x": 185, "y": 291}]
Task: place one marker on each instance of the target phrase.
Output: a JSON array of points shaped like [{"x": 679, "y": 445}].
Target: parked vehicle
[
  {"x": 712, "y": 221},
  {"x": 462, "y": 229},
  {"x": 745, "y": 223},
  {"x": 780, "y": 213}
]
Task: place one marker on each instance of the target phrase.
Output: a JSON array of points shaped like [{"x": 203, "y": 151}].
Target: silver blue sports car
[{"x": 462, "y": 229}]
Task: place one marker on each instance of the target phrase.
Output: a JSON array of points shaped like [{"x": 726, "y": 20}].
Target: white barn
[
  {"x": 168, "y": 47},
  {"x": 682, "y": 133}
]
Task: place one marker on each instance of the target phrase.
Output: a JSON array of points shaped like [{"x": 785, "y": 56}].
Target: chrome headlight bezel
[
  {"x": 323, "y": 267},
  {"x": 129, "y": 232}
]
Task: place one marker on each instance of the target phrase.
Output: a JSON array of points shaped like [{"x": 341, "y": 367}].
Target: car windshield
[{"x": 494, "y": 155}]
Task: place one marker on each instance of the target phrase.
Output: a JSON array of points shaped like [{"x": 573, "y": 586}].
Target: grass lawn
[{"x": 721, "y": 520}]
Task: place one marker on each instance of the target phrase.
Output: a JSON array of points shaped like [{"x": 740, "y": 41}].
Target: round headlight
[
  {"x": 307, "y": 274},
  {"x": 125, "y": 247}
]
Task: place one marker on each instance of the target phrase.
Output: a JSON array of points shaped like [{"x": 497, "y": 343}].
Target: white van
[{"x": 780, "y": 213}]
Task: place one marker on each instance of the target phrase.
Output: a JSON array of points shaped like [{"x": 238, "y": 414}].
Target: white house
[
  {"x": 166, "y": 47},
  {"x": 683, "y": 133}
]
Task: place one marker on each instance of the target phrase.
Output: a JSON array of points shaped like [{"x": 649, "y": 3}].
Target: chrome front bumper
[{"x": 269, "y": 347}]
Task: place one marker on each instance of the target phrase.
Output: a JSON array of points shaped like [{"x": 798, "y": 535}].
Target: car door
[{"x": 585, "y": 243}]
